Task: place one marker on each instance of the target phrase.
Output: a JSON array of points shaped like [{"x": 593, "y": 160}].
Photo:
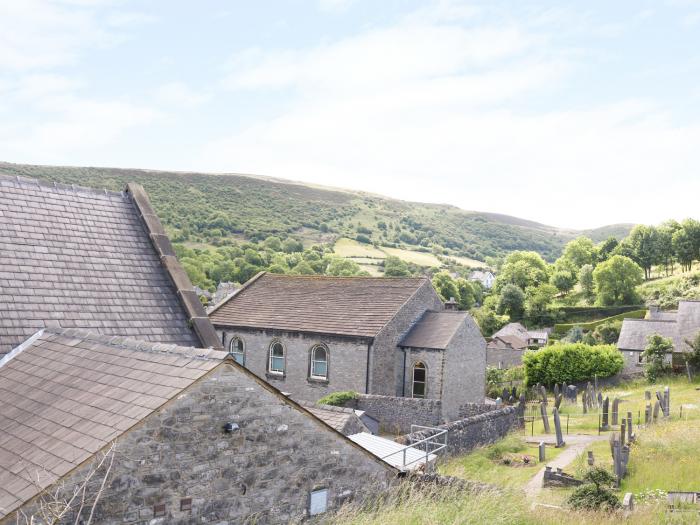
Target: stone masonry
[
  {"x": 397, "y": 414},
  {"x": 264, "y": 471}
]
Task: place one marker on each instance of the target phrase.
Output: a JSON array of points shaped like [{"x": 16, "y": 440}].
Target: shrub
[
  {"x": 571, "y": 363},
  {"x": 595, "y": 493},
  {"x": 338, "y": 399},
  {"x": 655, "y": 356}
]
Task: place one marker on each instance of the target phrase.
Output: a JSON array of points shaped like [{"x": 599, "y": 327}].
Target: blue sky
[{"x": 576, "y": 114}]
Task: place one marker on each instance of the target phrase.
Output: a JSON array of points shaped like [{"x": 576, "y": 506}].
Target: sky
[{"x": 574, "y": 114}]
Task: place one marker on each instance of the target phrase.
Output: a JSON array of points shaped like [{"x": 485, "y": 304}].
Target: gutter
[{"x": 369, "y": 348}]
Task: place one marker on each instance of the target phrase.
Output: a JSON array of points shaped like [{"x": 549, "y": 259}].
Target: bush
[
  {"x": 338, "y": 399},
  {"x": 571, "y": 363},
  {"x": 595, "y": 493}
]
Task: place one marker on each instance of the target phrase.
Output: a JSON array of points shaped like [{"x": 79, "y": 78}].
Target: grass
[
  {"x": 344, "y": 247},
  {"x": 410, "y": 256},
  {"x": 466, "y": 261},
  {"x": 485, "y": 464}
]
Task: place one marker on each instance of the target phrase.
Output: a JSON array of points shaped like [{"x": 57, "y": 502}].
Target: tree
[
  {"x": 339, "y": 267},
  {"x": 665, "y": 243},
  {"x": 616, "y": 280},
  {"x": 465, "y": 294},
  {"x": 655, "y": 356},
  {"x": 273, "y": 243},
  {"x": 607, "y": 248},
  {"x": 303, "y": 268},
  {"x": 693, "y": 357},
  {"x": 643, "y": 241},
  {"x": 445, "y": 286},
  {"x": 580, "y": 251},
  {"x": 292, "y": 246},
  {"x": 488, "y": 321},
  {"x": 523, "y": 269},
  {"x": 563, "y": 280},
  {"x": 585, "y": 279},
  {"x": 395, "y": 267},
  {"x": 538, "y": 303},
  {"x": 683, "y": 249},
  {"x": 511, "y": 301}
]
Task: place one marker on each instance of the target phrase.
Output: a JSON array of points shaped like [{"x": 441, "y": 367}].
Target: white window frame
[
  {"x": 271, "y": 357},
  {"x": 314, "y": 361},
  {"x": 236, "y": 339},
  {"x": 424, "y": 382}
]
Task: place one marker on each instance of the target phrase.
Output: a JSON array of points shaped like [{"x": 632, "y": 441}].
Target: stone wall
[
  {"x": 386, "y": 361},
  {"x": 347, "y": 360},
  {"x": 464, "y": 377},
  {"x": 504, "y": 357},
  {"x": 434, "y": 364},
  {"x": 474, "y": 409},
  {"x": 263, "y": 472},
  {"x": 467, "y": 434},
  {"x": 397, "y": 414}
]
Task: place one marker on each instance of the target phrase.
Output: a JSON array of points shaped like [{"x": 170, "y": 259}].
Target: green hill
[{"x": 206, "y": 208}]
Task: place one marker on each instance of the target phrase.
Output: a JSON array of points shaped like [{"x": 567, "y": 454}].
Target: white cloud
[
  {"x": 440, "y": 112},
  {"x": 180, "y": 95},
  {"x": 335, "y": 5}
]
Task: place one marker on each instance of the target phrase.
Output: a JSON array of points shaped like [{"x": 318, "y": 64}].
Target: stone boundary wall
[
  {"x": 397, "y": 414},
  {"x": 474, "y": 409},
  {"x": 467, "y": 434}
]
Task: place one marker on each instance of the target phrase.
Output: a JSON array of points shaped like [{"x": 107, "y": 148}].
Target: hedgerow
[{"x": 571, "y": 363}]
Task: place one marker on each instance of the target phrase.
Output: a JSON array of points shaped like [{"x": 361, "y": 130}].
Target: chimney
[{"x": 451, "y": 305}]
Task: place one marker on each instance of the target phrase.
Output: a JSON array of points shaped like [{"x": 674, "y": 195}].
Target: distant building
[
  {"x": 486, "y": 278},
  {"x": 506, "y": 347},
  {"x": 312, "y": 335},
  {"x": 679, "y": 326}
]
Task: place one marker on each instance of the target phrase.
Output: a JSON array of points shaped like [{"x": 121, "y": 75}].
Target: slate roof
[
  {"x": 340, "y": 418},
  {"x": 509, "y": 342},
  {"x": 74, "y": 257},
  {"x": 515, "y": 329},
  {"x": 68, "y": 393},
  {"x": 634, "y": 333},
  {"x": 351, "y": 306},
  {"x": 688, "y": 319},
  {"x": 434, "y": 330}
]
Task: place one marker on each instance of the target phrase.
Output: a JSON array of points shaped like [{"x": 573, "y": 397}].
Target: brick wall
[
  {"x": 347, "y": 358},
  {"x": 396, "y": 414},
  {"x": 262, "y": 473}
]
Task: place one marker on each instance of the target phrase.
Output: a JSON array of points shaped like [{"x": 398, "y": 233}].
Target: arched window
[
  {"x": 319, "y": 362},
  {"x": 419, "y": 377},
  {"x": 236, "y": 349},
  {"x": 276, "y": 361}
]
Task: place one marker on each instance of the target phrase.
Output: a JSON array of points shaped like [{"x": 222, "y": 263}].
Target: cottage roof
[
  {"x": 688, "y": 319},
  {"x": 515, "y": 329},
  {"x": 67, "y": 393},
  {"x": 434, "y": 330},
  {"x": 352, "y": 306},
  {"x": 635, "y": 332},
  {"x": 538, "y": 334},
  {"x": 73, "y": 257},
  {"x": 507, "y": 342}
]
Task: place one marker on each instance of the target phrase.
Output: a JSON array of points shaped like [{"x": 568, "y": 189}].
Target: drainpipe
[
  {"x": 369, "y": 348},
  {"x": 403, "y": 376}
]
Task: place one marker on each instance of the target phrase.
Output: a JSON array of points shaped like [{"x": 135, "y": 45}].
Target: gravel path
[{"x": 575, "y": 444}]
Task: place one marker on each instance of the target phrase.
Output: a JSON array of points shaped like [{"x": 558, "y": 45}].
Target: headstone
[
  {"x": 617, "y": 460},
  {"x": 656, "y": 412},
  {"x": 591, "y": 460},
  {"x": 623, "y": 431},
  {"x": 572, "y": 393},
  {"x": 584, "y": 400},
  {"x": 557, "y": 401},
  {"x": 647, "y": 414},
  {"x": 615, "y": 411},
  {"x": 545, "y": 419},
  {"x": 498, "y": 401},
  {"x": 543, "y": 394},
  {"x": 514, "y": 392},
  {"x": 505, "y": 394},
  {"x": 628, "y": 502},
  {"x": 541, "y": 450},
  {"x": 630, "y": 435},
  {"x": 600, "y": 400},
  {"x": 667, "y": 401},
  {"x": 511, "y": 400},
  {"x": 522, "y": 400},
  {"x": 556, "y": 389},
  {"x": 647, "y": 395},
  {"x": 605, "y": 425},
  {"x": 557, "y": 428}
]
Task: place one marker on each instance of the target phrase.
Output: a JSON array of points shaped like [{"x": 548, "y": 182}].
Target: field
[{"x": 664, "y": 457}]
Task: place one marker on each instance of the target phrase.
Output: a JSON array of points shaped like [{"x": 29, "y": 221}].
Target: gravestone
[
  {"x": 541, "y": 450},
  {"x": 600, "y": 400},
  {"x": 545, "y": 419},
  {"x": 615, "y": 411},
  {"x": 584, "y": 400},
  {"x": 557, "y": 429},
  {"x": 498, "y": 401},
  {"x": 543, "y": 394},
  {"x": 623, "y": 431},
  {"x": 667, "y": 401},
  {"x": 505, "y": 395},
  {"x": 522, "y": 400},
  {"x": 605, "y": 425},
  {"x": 591, "y": 460},
  {"x": 556, "y": 390},
  {"x": 557, "y": 401},
  {"x": 514, "y": 392},
  {"x": 511, "y": 400},
  {"x": 656, "y": 411},
  {"x": 647, "y": 395},
  {"x": 572, "y": 393},
  {"x": 647, "y": 414},
  {"x": 630, "y": 435}
]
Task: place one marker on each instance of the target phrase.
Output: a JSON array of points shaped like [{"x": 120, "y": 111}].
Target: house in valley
[
  {"x": 680, "y": 326},
  {"x": 485, "y": 277},
  {"x": 312, "y": 335}
]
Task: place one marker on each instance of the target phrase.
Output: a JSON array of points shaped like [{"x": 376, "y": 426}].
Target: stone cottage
[
  {"x": 173, "y": 435},
  {"x": 312, "y": 335},
  {"x": 680, "y": 326}
]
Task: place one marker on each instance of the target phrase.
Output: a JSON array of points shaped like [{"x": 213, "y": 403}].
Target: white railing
[{"x": 425, "y": 447}]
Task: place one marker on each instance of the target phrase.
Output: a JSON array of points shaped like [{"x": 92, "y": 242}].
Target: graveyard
[{"x": 660, "y": 458}]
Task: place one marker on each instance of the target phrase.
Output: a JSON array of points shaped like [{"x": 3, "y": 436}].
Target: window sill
[
  {"x": 317, "y": 380},
  {"x": 272, "y": 375}
]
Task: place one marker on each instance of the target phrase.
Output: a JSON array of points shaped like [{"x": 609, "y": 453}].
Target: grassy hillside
[{"x": 207, "y": 208}]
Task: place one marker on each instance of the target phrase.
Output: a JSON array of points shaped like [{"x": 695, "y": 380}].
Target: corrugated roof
[
  {"x": 79, "y": 258},
  {"x": 69, "y": 393},
  {"x": 391, "y": 451},
  {"x": 434, "y": 330},
  {"x": 353, "y": 306}
]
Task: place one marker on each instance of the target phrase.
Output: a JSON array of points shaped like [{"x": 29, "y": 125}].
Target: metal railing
[{"x": 427, "y": 446}]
